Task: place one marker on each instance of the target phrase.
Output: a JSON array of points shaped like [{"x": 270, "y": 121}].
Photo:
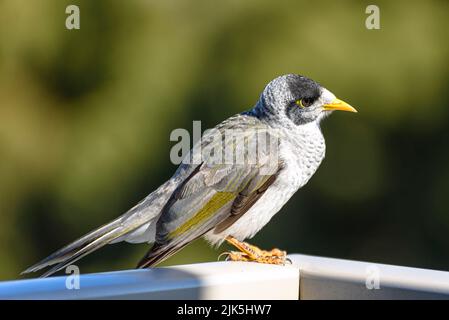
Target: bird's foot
[{"x": 252, "y": 253}]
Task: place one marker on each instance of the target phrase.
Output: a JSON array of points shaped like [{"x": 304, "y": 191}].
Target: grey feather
[
  {"x": 208, "y": 180},
  {"x": 144, "y": 212}
]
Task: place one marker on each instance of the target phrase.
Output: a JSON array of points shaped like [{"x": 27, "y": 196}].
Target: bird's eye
[{"x": 304, "y": 103}]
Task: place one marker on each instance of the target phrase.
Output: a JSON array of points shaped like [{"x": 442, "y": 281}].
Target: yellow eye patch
[{"x": 299, "y": 103}]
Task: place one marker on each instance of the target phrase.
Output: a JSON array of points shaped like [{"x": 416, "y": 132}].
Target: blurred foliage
[{"x": 85, "y": 118}]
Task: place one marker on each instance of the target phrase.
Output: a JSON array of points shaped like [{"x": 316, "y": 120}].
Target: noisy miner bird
[{"x": 226, "y": 200}]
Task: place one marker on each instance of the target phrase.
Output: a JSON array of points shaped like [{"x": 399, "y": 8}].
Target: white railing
[{"x": 307, "y": 278}]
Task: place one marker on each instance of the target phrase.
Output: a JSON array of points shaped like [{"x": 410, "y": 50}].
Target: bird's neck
[{"x": 260, "y": 111}]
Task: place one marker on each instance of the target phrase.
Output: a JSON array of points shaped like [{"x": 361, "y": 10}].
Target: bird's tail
[
  {"x": 83, "y": 246},
  {"x": 143, "y": 213}
]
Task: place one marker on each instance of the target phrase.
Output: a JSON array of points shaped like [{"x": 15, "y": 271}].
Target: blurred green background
[{"x": 85, "y": 118}]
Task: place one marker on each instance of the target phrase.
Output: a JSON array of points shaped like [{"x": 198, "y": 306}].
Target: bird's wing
[{"x": 213, "y": 196}]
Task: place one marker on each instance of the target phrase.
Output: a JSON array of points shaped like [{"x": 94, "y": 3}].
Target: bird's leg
[{"x": 249, "y": 252}]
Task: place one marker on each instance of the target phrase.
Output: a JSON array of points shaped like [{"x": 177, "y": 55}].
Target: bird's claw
[
  {"x": 250, "y": 253},
  {"x": 226, "y": 253},
  {"x": 234, "y": 256}
]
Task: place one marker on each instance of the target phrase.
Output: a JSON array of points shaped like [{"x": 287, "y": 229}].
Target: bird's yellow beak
[{"x": 338, "y": 104}]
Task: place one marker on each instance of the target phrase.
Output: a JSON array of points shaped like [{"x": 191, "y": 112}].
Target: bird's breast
[{"x": 303, "y": 153}]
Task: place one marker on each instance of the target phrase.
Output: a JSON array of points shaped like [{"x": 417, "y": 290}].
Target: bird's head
[{"x": 294, "y": 99}]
